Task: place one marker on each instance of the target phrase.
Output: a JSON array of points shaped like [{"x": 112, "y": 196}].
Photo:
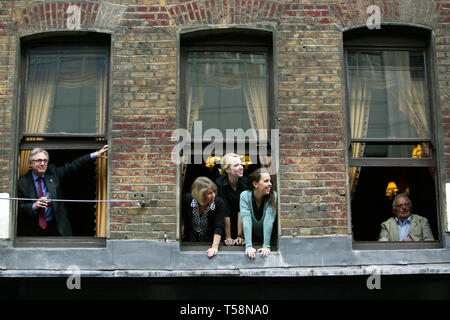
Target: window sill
[
  {"x": 387, "y": 245},
  {"x": 203, "y": 246},
  {"x": 59, "y": 242}
]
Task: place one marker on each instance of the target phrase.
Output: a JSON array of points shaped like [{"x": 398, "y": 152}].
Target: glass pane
[
  {"x": 66, "y": 90},
  {"x": 387, "y": 94},
  {"x": 363, "y": 150},
  {"x": 375, "y": 189},
  {"x": 227, "y": 90}
]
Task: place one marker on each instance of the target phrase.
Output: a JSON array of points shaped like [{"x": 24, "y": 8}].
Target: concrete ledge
[
  {"x": 296, "y": 257},
  {"x": 438, "y": 269}
]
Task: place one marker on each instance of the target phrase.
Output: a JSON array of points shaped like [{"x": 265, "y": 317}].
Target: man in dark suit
[{"x": 43, "y": 182}]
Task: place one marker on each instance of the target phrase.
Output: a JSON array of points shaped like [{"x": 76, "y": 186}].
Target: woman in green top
[{"x": 258, "y": 211}]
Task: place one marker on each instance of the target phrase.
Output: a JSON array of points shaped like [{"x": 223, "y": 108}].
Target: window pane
[
  {"x": 407, "y": 151},
  {"x": 227, "y": 90},
  {"x": 66, "y": 90},
  {"x": 387, "y": 94}
]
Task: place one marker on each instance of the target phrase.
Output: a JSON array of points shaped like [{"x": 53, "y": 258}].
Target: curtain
[
  {"x": 360, "y": 94},
  {"x": 255, "y": 90},
  {"x": 24, "y": 166},
  {"x": 100, "y": 209},
  {"x": 41, "y": 85},
  {"x": 406, "y": 99}
]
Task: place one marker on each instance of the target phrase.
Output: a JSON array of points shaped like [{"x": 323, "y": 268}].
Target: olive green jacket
[{"x": 419, "y": 229}]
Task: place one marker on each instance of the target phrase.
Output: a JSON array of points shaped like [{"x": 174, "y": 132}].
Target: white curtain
[{"x": 360, "y": 94}]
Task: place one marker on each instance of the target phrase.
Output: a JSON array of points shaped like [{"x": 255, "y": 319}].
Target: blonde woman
[
  {"x": 203, "y": 215},
  {"x": 229, "y": 186}
]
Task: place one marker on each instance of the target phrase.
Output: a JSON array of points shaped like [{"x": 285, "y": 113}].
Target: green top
[{"x": 262, "y": 228}]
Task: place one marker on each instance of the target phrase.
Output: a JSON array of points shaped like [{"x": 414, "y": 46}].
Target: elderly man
[
  {"x": 405, "y": 226},
  {"x": 43, "y": 217}
]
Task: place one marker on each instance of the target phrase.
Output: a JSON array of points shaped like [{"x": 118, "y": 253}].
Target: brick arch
[
  {"x": 200, "y": 12},
  {"x": 353, "y": 13},
  {"x": 63, "y": 15}
]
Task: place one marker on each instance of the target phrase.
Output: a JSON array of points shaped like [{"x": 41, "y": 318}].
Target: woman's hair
[
  {"x": 226, "y": 162},
  {"x": 255, "y": 176},
  {"x": 199, "y": 188},
  {"x": 35, "y": 151}
]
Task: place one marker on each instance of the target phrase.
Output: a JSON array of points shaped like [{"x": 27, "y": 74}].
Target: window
[
  {"x": 226, "y": 98},
  {"x": 392, "y": 147},
  {"x": 64, "y": 90}
]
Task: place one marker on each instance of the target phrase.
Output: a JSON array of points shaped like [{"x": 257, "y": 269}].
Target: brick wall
[
  {"x": 309, "y": 94},
  {"x": 7, "y": 67},
  {"x": 443, "y": 78}
]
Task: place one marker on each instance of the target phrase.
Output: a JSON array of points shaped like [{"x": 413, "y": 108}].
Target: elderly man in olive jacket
[{"x": 405, "y": 226}]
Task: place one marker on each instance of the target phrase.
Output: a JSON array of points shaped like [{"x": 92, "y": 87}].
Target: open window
[
  {"x": 391, "y": 147},
  {"x": 64, "y": 93},
  {"x": 227, "y": 100}
]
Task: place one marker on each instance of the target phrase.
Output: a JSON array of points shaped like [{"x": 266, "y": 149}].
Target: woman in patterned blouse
[{"x": 203, "y": 214}]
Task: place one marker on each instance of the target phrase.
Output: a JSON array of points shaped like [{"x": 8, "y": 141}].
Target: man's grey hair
[
  {"x": 35, "y": 151},
  {"x": 401, "y": 195}
]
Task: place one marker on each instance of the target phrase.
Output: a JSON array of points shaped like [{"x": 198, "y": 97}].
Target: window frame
[
  {"x": 224, "y": 40},
  {"x": 394, "y": 38},
  {"x": 60, "y": 141}
]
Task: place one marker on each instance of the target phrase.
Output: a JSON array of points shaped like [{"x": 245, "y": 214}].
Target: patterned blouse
[{"x": 200, "y": 221}]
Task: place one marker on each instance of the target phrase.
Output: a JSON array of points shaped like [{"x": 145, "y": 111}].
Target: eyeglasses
[
  {"x": 403, "y": 205},
  {"x": 40, "y": 160}
]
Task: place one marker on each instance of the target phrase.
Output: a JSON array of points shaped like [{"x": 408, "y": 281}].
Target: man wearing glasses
[
  {"x": 405, "y": 226},
  {"x": 42, "y": 217}
]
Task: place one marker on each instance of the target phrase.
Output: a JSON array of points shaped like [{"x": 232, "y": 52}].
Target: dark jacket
[
  {"x": 54, "y": 177},
  {"x": 231, "y": 197},
  {"x": 215, "y": 218}
]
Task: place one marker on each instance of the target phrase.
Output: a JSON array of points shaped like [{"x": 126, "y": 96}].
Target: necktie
[{"x": 41, "y": 211}]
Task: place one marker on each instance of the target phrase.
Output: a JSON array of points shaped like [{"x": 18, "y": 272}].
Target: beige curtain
[
  {"x": 360, "y": 95},
  {"x": 256, "y": 97},
  {"x": 255, "y": 90},
  {"x": 41, "y": 85},
  {"x": 101, "y": 100},
  {"x": 101, "y": 164},
  {"x": 360, "y": 81},
  {"x": 23, "y": 162},
  {"x": 100, "y": 210}
]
